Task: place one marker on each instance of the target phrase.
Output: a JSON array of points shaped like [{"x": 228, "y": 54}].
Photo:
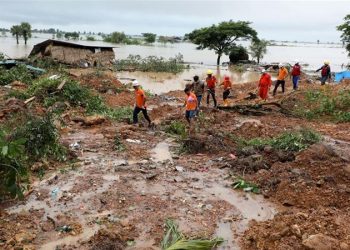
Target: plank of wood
[
  {"x": 29, "y": 100},
  {"x": 62, "y": 84}
]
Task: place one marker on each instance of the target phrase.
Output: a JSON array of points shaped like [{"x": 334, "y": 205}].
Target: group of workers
[{"x": 195, "y": 91}]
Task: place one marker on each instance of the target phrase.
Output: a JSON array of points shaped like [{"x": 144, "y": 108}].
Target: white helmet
[
  {"x": 280, "y": 65},
  {"x": 135, "y": 83},
  {"x": 296, "y": 61},
  {"x": 263, "y": 70}
]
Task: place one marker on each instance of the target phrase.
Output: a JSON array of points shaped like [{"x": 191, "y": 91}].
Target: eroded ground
[{"x": 111, "y": 199}]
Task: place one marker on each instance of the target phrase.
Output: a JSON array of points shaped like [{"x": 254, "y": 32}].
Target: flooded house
[{"x": 73, "y": 53}]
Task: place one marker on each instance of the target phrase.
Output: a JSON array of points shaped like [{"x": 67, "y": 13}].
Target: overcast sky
[{"x": 279, "y": 20}]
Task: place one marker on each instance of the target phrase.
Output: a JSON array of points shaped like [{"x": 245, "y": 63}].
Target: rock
[
  {"x": 321, "y": 242},
  {"x": 296, "y": 171},
  {"x": 256, "y": 157},
  {"x": 344, "y": 246},
  {"x": 268, "y": 149},
  {"x": 302, "y": 215},
  {"x": 25, "y": 237},
  {"x": 296, "y": 230},
  {"x": 133, "y": 141},
  {"x": 94, "y": 120},
  {"x": 151, "y": 176},
  {"x": 248, "y": 151},
  {"x": 288, "y": 203}
]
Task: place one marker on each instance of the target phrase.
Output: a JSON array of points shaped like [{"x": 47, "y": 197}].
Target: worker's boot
[{"x": 225, "y": 103}]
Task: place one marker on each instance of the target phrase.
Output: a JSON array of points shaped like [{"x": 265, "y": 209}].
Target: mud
[{"x": 112, "y": 199}]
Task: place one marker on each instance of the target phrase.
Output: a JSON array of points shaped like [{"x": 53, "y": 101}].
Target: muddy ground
[{"x": 110, "y": 199}]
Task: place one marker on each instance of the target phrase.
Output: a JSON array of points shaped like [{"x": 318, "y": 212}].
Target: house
[{"x": 73, "y": 53}]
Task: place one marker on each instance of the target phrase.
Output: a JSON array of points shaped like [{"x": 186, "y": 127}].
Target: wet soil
[{"x": 112, "y": 199}]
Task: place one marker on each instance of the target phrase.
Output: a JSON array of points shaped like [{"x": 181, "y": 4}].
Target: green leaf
[{"x": 4, "y": 150}]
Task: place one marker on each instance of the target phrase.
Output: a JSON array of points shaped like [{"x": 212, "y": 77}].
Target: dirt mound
[{"x": 106, "y": 240}]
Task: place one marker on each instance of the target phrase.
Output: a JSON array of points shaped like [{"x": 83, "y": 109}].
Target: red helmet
[{"x": 227, "y": 78}]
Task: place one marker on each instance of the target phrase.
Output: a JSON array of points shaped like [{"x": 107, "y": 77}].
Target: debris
[
  {"x": 25, "y": 237},
  {"x": 54, "y": 193},
  {"x": 61, "y": 84},
  {"x": 179, "y": 169},
  {"x": 151, "y": 176},
  {"x": 133, "y": 141},
  {"x": 29, "y": 100},
  {"x": 54, "y": 77},
  {"x": 321, "y": 242}
]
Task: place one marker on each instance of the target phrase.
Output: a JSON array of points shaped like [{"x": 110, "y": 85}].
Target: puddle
[
  {"x": 71, "y": 240},
  {"x": 161, "y": 152},
  {"x": 224, "y": 230}
]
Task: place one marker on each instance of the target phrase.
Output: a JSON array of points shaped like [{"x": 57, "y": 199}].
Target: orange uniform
[
  {"x": 211, "y": 81},
  {"x": 140, "y": 98},
  {"x": 227, "y": 84},
  {"x": 282, "y": 73},
  {"x": 264, "y": 85},
  {"x": 191, "y": 102}
]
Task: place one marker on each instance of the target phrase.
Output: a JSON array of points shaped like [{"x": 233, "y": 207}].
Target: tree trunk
[
  {"x": 17, "y": 39},
  {"x": 218, "y": 60},
  {"x": 25, "y": 40},
  {"x": 258, "y": 59}
]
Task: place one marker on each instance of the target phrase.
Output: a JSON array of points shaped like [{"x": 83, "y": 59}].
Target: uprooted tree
[
  {"x": 222, "y": 37},
  {"x": 345, "y": 37}
]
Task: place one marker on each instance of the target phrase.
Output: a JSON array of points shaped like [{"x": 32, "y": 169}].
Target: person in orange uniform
[
  {"x": 191, "y": 105},
  {"x": 281, "y": 78},
  {"x": 227, "y": 88},
  {"x": 264, "y": 84},
  {"x": 211, "y": 82},
  {"x": 140, "y": 104}
]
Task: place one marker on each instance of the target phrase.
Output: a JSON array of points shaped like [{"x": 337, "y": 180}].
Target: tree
[
  {"x": 16, "y": 31},
  {"x": 345, "y": 37},
  {"x": 221, "y": 38},
  {"x": 73, "y": 35},
  {"x": 26, "y": 31},
  {"x": 59, "y": 35},
  {"x": 238, "y": 53},
  {"x": 149, "y": 37},
  {"x": 115, "y": 37},
  {"x": 258, "y": 49}
]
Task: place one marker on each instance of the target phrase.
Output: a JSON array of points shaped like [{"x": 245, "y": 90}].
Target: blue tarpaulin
[{"x": 342, "y": 75}]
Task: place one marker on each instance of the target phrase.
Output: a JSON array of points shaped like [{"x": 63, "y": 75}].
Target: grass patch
[
  {"x": 151, "y": 64},
  {"x": 334, "y": 106},
  {"x": 118, "y": 144},
  {"x": 288, "y": 141},
  {"x": 245, "y": 186},
  {"x": 177, "y": 128},
  {"x": 175, "y": 240}
]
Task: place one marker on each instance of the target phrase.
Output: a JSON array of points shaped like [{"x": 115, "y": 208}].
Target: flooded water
[{"x": 199, "y": 60}]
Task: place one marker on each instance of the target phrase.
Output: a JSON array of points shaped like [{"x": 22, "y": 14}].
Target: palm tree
[
  {"x": 16, "y": 31},
  {"x": 26, "y": 31}
]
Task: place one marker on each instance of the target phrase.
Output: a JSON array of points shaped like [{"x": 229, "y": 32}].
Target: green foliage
[
  {"x": 176, "y": 128},
  {"x": 90, "y": 38},
  {"x": 288, "y": 141},
  {"x": 17, "y": 73},
  {"x": 151, "y": 63},
  {"x": 149, "y": 37},
  {"x": 115, "y": 37},
  {"x": 258, "y": 49},
  {"x": 175, "y": 240},
  {"x": 71, "y": 35},
  {"x": 221, "y": 38},
  {"x": 16, "y": 31},
  {"x": 13, "y": 173},
  {"x": 317, "y": 104},
  {"x": 238, "y": 53},
  {"x": 41, "y": 138},
  {"x": 132, "y": 41},
  {"x": 118, "y": 144},
  {"x": 26, "y": 31},
  {"x": 2, "y": 56},
  {"x": 345, "y": 29},
  {"x": 246, "y": 186}
]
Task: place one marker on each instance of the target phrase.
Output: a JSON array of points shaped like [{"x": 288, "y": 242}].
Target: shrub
[
  {"x": 41, "y": 138},
  {"x": 13, "y": 173},
  {"x": 152, "y": 64},
  {"x": 17, "y": 73}
]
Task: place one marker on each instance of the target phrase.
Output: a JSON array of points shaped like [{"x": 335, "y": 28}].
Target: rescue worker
[
  {"x": 281, "y": 78},
  {"x": 325, "y": 73},
  {"x": 264, "y": 84},
  {"x": 191, "y": 105},
  {"x": 296, "y": 71},
  {"x": 211, "y": 83},
  {"x": 227, "y": 88},
  {"x": 198, "y": 89},
  {"x": 140, "y": 103}
]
